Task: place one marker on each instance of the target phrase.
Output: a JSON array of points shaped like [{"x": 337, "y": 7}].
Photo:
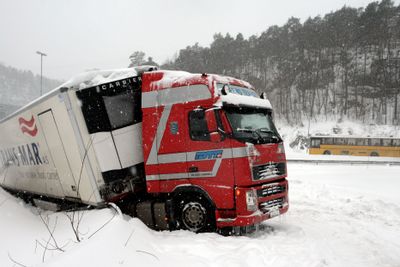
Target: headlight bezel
[{"x": 251, "y": 200}]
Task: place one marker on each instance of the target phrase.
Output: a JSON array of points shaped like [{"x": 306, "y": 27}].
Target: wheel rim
[{"x": 194, "y": 216}]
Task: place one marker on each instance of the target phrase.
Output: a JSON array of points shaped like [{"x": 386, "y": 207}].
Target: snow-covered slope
[{"x": 339, "y": 216}]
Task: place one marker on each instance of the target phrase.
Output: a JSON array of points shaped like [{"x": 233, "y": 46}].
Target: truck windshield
[{"x": 252, "y": 125}]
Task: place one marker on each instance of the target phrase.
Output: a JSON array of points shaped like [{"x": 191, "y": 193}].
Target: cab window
[{"x": 198, "y": 129}]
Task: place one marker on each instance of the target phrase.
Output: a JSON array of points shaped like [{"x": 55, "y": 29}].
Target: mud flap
[
  {"x": 155, "y": 215},
  {"x": 239, "y": 230}
]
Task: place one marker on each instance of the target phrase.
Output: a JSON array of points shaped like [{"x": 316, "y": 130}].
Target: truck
[{"x": 178, "y": 150}]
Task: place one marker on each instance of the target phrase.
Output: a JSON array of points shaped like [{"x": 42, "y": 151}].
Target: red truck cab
[{"x": 210, "y": 144}]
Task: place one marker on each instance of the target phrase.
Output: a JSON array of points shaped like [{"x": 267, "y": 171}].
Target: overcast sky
[{"x": 79, "y": 35}]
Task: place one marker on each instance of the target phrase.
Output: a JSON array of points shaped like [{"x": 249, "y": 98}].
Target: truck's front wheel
[{"x": 196, "y": 215}]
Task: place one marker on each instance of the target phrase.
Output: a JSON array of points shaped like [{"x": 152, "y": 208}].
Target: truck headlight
[
  {"x": 281, "y": 149},
  {"x": 251, "y": 200}
]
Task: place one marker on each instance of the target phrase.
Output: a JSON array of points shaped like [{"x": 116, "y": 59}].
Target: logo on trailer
[
  {"x": 204, "y": 155},
  {"x": 28, "y": 127}
]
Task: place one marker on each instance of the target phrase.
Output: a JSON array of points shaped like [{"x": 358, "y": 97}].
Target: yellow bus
[{"x": 355, "y": 146}]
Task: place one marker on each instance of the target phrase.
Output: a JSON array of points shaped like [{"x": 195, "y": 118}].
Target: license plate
[{"x": 274, "y": 212}]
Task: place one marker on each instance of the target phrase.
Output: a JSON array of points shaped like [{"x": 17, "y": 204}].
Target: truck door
[
  {"x": 58, "y": 157},
  {"x": 209, "y": 163}
]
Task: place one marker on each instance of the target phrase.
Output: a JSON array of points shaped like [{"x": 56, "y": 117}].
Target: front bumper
[
  {"x": 272, "y": 201},
  {"x": 246, "y": 220}
]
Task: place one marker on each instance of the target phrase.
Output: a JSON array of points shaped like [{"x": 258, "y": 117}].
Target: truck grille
[
  {"x": 269, "y": 170},
  {"x": 268, "y": 205},
  {"x": 271, "y": 190}
]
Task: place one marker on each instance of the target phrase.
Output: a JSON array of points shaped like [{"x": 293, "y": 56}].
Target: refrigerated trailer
[{"x": 175, "y": 149}]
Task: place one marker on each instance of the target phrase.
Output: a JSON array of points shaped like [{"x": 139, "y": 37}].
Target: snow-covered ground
[{"x": 339, "y": 216}]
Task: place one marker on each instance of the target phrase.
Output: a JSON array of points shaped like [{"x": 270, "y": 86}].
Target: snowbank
[{"x": 338, "y": 216}]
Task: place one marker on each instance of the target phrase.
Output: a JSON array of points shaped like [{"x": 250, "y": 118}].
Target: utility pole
[{"x": 41, "y": 69}]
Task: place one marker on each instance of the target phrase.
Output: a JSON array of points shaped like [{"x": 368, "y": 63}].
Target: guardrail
[{"x": 347, "y": 162}]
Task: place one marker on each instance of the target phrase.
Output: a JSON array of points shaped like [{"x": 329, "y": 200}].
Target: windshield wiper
[
  {"x": 273, "y": 134},
  {"x": 247, "y": 130}
]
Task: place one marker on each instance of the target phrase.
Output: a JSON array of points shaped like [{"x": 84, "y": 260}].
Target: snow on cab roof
[
  {"x": 235, "y": 98},
  {"x": 231, "y": 80},
  {"x": 171, "y": 77},
  {"x": 243, "y": 100},
  {"x": 176, "y": 77}
]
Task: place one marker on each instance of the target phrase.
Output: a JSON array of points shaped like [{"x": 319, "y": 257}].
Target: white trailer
[{"x": 48, "y": 150}]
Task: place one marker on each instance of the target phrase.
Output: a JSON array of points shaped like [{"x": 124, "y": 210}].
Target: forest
[
  {"x": 343, "y": 65},
  {"x": 19, "y": 87}
]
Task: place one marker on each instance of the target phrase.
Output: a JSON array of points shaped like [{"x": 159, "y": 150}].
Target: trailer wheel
[{"x": 196, "y": 215}]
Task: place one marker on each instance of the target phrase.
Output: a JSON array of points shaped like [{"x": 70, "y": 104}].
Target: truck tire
[
  {"x": 374, "y": 154},
  {"x": 196, "y": 215}
]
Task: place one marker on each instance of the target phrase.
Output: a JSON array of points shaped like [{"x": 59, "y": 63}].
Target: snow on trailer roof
[
  {"x": 97, "y": 77},
  {"x": 82, "y": 81}
]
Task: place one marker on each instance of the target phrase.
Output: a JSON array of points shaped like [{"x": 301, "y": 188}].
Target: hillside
[
  {"x": 19, "y": 87},
  {"x": 344, "y": 64}
]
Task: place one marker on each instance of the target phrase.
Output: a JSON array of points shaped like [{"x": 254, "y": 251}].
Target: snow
[
  {"x": 96, "y": 77},
  {"x": 230, "y": 80},
  {"x": 339, "y": 215},
  {"x": 171, "y": 77},
  {"x": 251, "y": 101}
]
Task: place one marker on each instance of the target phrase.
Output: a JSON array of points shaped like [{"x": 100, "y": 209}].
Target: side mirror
[
  {"x": 225, "y": 89},
  {"x": 211, "y": 120},
  {"x": 215, "y": 137},
  {"x": 263, "y": 95},
  {"x": 212, "y": 126}
]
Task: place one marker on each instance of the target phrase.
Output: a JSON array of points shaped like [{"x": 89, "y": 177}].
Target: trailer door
[{"x": 57, "y": 153}]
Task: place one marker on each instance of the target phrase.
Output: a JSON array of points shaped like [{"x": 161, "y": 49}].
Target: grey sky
[{"x": 83, "y": 34}]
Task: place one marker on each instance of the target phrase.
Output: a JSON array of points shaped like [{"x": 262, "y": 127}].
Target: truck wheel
[
  {"x": 196, "y": 215},
  {"x": 374, "y": 154},
  {"x": 327, "y": 152}
]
